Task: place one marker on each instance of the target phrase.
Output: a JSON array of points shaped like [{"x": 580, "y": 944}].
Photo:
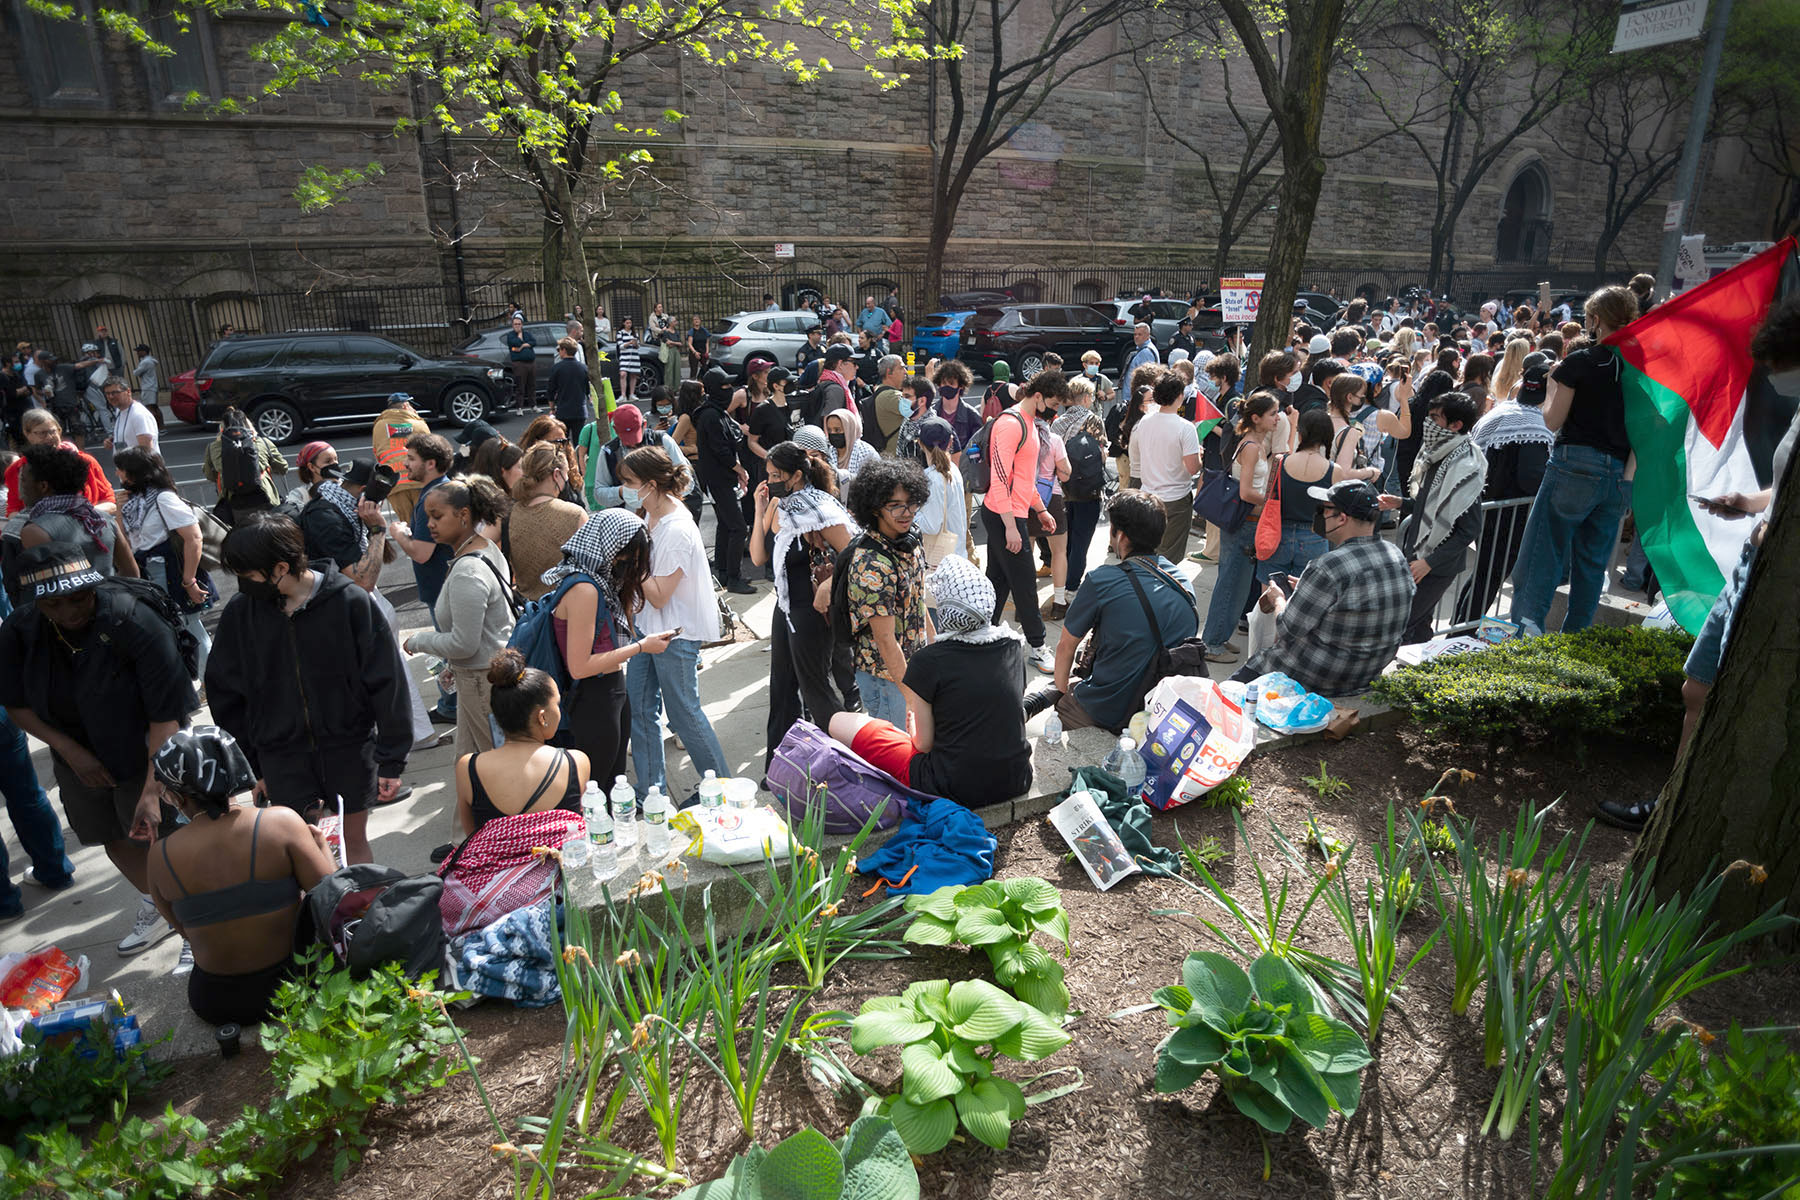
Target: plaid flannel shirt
[{"x": 1344, "y": 622}]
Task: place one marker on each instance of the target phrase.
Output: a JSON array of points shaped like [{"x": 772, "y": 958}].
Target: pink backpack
[{"x": 494, "y": 871}]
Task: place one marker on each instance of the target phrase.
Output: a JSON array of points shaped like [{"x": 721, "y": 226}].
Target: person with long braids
[
  {"x": 473, "y": 611},
  {"x": 678, "y": 599},
  {"x": 231, "y": 879},
  {"x": 800, "y": 528},
  {"x": 594, "y": 622}
]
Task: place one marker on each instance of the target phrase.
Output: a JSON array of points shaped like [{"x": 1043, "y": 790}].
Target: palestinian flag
[
  {"x": 1703, "y": 421},
  {"x": 1206, "y": 415}
]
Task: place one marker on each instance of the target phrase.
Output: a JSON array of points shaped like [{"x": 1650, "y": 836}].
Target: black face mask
[
  {"x": 837, "y": 441},
  {"x": 260, "y": 589},
  {"x": 779, "y": 488},
  {"x": 1318, "y": 525}
]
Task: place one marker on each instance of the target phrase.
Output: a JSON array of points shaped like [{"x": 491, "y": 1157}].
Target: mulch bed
[{"x": 1415, "y": 1134}]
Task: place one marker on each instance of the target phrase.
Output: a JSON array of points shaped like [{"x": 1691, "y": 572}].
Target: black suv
[
  {"x": 1020, "y": 335},
  {"x": 288, "y": 382},
  {"x": 490, "y": 347}
]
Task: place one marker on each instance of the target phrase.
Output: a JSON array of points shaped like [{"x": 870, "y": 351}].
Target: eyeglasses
[
  {"x": 900, "y": 509},
  {"x": 561, "y": 441}
]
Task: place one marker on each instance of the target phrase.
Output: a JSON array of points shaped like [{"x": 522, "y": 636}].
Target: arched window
[
  {"x": 242, "y": 313},
  {"x": 623, "y": 300},
  {"x": 1026, "y": 291},
  {"x": 1524, "y": 235},
  {"x": 1089, "y": 291},
  {"x": 802, "y": 293}
]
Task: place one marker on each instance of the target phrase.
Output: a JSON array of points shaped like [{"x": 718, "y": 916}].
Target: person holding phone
[{"x": 678, "y": 603}]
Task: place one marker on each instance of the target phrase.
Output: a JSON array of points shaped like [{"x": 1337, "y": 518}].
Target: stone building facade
[{"x": 118, "y": 193}]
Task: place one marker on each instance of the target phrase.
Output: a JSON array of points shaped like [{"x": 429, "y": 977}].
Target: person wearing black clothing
[
  {"x": 1315, "y": 392},
  {"x": 698, "y": 339},
  {"x": 1444, "y": 511},
  {"x": 813, "y": 350},
  {"x": 1184, "y": 338},
  {"x": 304, "y": 674},
  {"x": 721, "y": 472},
  {"x": 1517, "y": 444},
  {"x": 521, "y": 360},
  {"x": 569, "y": 386},
  {"x": 96, "y": 674},
  {"x": 1437, "y": 382}
]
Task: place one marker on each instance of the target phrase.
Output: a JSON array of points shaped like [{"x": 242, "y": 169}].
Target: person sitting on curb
[{"x": 1350, "y": 606}]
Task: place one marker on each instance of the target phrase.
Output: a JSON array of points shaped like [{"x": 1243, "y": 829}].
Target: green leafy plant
[
  {"x": 1325, "y": 839},
  {"x": 69, "y": 1081},
  {"x": 1000, "y": 916},
  {"x": 806, "y": 917},
  {"x": 946, "y": 1076},
  {"x": 1602, "y": 679},
  {"x": 868, "y": 1163},
  {"x": 1210, "y": 851},
  {"x": 129, "y": 1158},
  {"x": 1276, "y": 1055},
  {"x": 1437, "y": 838},
  {"x": 1325, "y": 785},
  {"x": 1233, "y": 792},
  {"x": 1728, "y": 1116}
]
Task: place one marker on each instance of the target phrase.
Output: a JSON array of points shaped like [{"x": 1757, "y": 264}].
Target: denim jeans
[
  {"x": 1231, "y": 587},
  {"x": 882, "y": 698},
  {"x": 1573, "y": 525},
  {"x": 1084, "y": 517},
  {"x": 670, "y": 682},
  {"x": 1299, "y": 546},
  {"x": 36, "y": 823}
]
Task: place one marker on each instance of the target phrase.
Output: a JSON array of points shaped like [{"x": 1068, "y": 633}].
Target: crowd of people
[{"x": 1338, "y": 483}]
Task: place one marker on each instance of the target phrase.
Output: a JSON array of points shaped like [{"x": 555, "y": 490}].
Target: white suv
[{"x": 776, "y": 335}]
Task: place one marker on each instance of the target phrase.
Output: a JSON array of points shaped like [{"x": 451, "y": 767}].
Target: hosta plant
[
  {"x": 868, "y": 1163},
  {"x": 1276, "y": 1054},
  {"x": 1000, "y": 916},
  {"x": 949, "y": 1037}
]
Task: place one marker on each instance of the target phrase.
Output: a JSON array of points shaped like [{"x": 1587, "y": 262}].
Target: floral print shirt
[{"x": 886, "y": 582}]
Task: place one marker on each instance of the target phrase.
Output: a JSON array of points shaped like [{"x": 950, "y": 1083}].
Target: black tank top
[{"x": 483, "y": 810}]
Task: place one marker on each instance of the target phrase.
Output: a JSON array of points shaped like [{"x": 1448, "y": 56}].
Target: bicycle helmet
[
  {"x": 89, "y": 348},
  {"x": 204, "y": 764}
]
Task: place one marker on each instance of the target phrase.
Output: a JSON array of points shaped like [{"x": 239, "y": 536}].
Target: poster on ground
[{"x": 1239, "y": 296}]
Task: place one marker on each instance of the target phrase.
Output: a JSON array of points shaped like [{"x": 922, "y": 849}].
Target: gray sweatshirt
[{"x": 473, "y": 618}]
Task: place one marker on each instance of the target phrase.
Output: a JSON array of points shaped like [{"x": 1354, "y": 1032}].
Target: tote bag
[{"x": 1268, "y": 527}]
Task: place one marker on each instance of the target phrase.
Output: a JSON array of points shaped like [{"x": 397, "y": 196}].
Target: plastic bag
[
  {"x": 733, "y": 836},
  {"x": 1097, "y": 847},
  {"x": 1286, "y": 707},
  {"x": 1195, "y": 738},
  {"x": 40, "y": 981}
]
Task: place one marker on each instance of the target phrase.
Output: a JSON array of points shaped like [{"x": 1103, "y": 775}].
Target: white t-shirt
[
  {"x": 675, "y": 543},
  {"x": 169, "y": 513},
  {"x": 1161, "y": 442},
  {"x": 133, "y": 422}
]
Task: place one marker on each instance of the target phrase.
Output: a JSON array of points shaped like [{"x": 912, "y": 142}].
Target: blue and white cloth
[{"x": 512, "y": 959}]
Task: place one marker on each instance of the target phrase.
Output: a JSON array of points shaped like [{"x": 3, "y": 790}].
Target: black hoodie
[{"x": 320, "y": 681}]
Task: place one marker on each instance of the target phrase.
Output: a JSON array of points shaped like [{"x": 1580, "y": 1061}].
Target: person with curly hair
[{"x": 885, "y": 590}]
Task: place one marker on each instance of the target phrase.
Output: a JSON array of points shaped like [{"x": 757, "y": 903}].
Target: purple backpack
[{"x": 809, "y": 764}]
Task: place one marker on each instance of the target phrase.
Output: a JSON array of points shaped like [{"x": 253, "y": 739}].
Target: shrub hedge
[{"x": 1622, "y": 680}]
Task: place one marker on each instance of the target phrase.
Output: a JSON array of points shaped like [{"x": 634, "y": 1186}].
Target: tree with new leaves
[
  {"x": 539, "y": 80},
  {"x": 999, "y": 61},
  {"x": 1759, "y": 98},
  {"x": 1495, "y": 73}
]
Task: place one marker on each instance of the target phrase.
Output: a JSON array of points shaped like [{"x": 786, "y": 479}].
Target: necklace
[{"x": 462, "y": 545}]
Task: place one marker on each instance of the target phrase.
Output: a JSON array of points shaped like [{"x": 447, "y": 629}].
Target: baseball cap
[
  {"x": 935, "y": 433},
  {"x": 56, "y": 569},
  {"x": 1354, "y": 498},
  {"x": 758, "y": 362},
  {"x": 358, "y": 471},
  {"x": 1320, "y": 344},
  {"x": 396, "y": 399},
  {"x": 837, "y": 354},
  {"x": 780, "y": 375},
  {"x": 140, "y": 348},
  {"x": 475, "y": 433},
  {"x": 628, "y": 420}
]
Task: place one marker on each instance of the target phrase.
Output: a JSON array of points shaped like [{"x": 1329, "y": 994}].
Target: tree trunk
[
  {"x": 1304, "y": 178},
  {"x": 945, "y": 201},
  {"x": 1735, "y": 794},
  {"x": 554, "y": 265}
]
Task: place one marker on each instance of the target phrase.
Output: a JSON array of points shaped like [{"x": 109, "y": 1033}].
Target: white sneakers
[
  {"x": 185, "y": 964},
  {"x": 146, "y": 931},
  {"x": 1044, "y": 660}
]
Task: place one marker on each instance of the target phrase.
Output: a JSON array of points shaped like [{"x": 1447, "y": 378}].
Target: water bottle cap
[
  {"x": 618, "y": 779},
  {"x": 711, "y": 775},
  {"x": 1125, "y": 743}
]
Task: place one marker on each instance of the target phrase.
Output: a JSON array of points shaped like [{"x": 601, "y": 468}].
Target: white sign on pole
[
  {"x": 1672, "y": 217},
  {"x": 784, "y": 249},
  {"x": 1239, "y": 297},
  {"x": 1646, "y": 23},
  {"x": 1690, "y": 260}
]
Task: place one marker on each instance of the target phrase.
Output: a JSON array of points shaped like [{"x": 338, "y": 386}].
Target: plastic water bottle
[
  {"x": 624, "y": 812},
  {"x": 1125, "y": 762},
  {"x": 712, "y": 793},
  {"x": 1053, "y": 729},
  {"x": 605, "y": 852},
  {"x": 656, "y": 824}
]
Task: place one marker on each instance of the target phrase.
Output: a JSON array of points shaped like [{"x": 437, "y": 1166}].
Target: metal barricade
[{"x": 1476, "y": 591}]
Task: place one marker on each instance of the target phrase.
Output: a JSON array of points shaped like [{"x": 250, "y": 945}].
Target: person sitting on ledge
[
  {"x": 1349, "y": 608},
  {"x": 965, "y": 736},
  {"x": 230, "y": 880}
]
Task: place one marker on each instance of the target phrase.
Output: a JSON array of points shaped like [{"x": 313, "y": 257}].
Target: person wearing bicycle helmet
[{"x": 230, "y": 880}]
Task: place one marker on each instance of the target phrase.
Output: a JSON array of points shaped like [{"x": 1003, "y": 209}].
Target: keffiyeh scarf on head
[
  {"x": 341, "y": 499},
  {"x": 1510, "y": 423},
  {"x": 806, "y": 511},
  {"x": 811, "y": 439},
  {"x": 965, "y": 603},
  {"x": 1458, "y": 485},
  {"x": 592, "y": 548},
  {"x": 74, "y": 505}
]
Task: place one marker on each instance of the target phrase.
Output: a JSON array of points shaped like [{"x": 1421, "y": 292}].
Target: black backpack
[
  {"x": 240, "y": 467},
  {"x": 1087, "y": 466},
  {"x": 370, "y": 915},
  {"x": 163, "y": 605}
]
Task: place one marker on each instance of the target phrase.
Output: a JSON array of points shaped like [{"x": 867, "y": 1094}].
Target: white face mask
[
  {"x": 1293, "y": 383},
  {"x": 631, "y": 498}
]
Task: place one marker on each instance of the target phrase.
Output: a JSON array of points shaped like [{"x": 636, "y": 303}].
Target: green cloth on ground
[{"x": 1129, "y": 818}]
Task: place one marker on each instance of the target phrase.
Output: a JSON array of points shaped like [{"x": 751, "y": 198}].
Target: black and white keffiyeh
[
  {"x": 591, "y": 550},
  {"x": 806, "y": 511},
  {"x": 965, "y": 603},
  {"x": 1458, "y": 486},
  {"x": 812, "y": 439},
  {"x": 1510, "y": 423},
  {"x": 341, "y": 499}
]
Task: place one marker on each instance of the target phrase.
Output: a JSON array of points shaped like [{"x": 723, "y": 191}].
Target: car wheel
[
  {"x": 649, "y": 376},
  {"x": 277, "y": 420},
  {"x": 1028, "y": 363},
  {"x": 465, "y": 403}
]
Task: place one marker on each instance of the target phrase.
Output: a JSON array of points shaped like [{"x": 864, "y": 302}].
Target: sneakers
[
  {"x": 1633, "y": 816},
  {"x": 185, "y": 964},
  {"x": 146, "y": 931},
  {"x": 1052, "y": 611},
  {"x": 31, "y": 877},
  {"x": 1224, "y": 654},
  {"x": 739, "y": 587},
  {"x": 1044, "y": 660},
  {"x": 1044, "y": 571}
]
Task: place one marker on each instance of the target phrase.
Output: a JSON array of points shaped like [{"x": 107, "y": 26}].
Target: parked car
[
  {"x": 1321, "y": 303},
  {"x": 184, "y": 398},
  {"x": 1020, "y": 334},
  {"x": 290, "y": 382},
  {"x": 490, "y": 347},
  {"x": 939, "y": 335},
  {"x": 776, "y": 335},
  {"x": 979, "y": 298},
  {"x": 1165, "y": 318}
]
